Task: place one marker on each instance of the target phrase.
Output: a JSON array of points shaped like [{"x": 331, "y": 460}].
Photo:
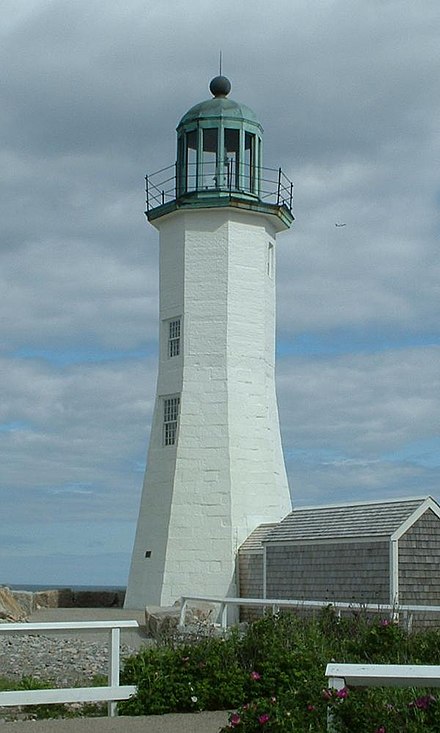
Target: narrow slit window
[
  {"x": 174, "y": 337},
  {"x": 170, "y": 416},
  {"x": 270, "y": 259}
]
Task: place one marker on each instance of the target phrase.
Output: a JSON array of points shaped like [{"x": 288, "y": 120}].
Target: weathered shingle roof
[
  {"x": 343, "y": 521},
  {"x": 253, "y": 542}
]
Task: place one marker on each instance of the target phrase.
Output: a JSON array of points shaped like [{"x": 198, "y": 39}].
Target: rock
[
  {"x": 201, "y": 612},
  {"x": 25, "y": 599},
  {"x": 98, "y": 599},
  {"x": 161, "y": 619},
  {"x": 60, "y": 598},
  {"x": 10, "y": 610}
]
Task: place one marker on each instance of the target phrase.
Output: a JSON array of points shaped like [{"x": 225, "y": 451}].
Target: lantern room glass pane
[
  {"x": 249, "y": 162},
  {"x": 191, "y": 160},
  {"x": 209, "y": 172},
  {"x": 232, "y": 157}
]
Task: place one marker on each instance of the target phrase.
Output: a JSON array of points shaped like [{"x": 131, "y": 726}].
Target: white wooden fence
[
  {"x": 382, "y": 675},
  {"x": 109, "y": 693},
  {"x": 379, "y": 675},
  {"x": 275, "y": 604}
]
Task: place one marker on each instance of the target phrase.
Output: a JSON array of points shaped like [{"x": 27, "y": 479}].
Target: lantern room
[
  {"x": 220, "y": 163},
  {"x": 219, "y": 147}
]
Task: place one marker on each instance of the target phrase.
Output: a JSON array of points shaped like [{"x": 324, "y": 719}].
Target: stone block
[{"x": 10, "y": 609}]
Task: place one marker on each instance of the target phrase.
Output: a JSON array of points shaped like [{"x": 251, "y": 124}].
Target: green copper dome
[{"x": 219, "y": 107}]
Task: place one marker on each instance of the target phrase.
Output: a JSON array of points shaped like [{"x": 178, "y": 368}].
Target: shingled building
[{"x": 383, "y": 552}]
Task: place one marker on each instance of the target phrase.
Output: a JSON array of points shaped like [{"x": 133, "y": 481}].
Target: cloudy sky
[{"x": 91, "y": 92}]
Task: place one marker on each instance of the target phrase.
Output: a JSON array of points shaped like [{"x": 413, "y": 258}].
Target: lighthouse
[{"x": 215, "y": 467}]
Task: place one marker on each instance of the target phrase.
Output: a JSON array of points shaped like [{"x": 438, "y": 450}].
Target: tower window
[
  {"x": 170, "y": 414},
  {"x": 174, "y": 337},
  {"x": 270, "y": 259}
]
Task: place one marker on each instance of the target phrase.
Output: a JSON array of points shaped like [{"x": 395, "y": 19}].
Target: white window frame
[
  {"x": 171, "y": 410},
  {"x": 174, "y": 334}
]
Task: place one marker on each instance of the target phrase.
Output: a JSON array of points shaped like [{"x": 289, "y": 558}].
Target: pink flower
[
  {"x": 235, "y": 719},
  {"x": 255, "y": 676},
  {"x": 381, "y": 729},
  {"x": 263, "y": 718},
  {"x": 311, "y": 708},
  {"x": 342, "y": 694}
]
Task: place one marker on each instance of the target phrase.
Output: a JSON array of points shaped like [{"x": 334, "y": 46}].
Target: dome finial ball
[{"x": 220, "y": 86}]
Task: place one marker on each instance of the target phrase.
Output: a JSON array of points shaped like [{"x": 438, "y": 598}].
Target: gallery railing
[{"x": 268, "y": 185}]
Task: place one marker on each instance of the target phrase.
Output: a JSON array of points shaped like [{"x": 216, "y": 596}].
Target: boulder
[
  {"x": 201, "y": 612},
  {"x": 10, "y": 610},
  {"x": 161, "y": 620},
  {"x": 59, "y": 598},
  {"x": 25, "y": 599}
]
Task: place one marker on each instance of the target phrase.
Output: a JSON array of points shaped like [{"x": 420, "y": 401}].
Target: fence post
[
  {"x": 182, "y": 616},
  {"x": 224, "y": 615},
  {"x": 334, "y": 683},
  {"x": 113, "y": 659}
]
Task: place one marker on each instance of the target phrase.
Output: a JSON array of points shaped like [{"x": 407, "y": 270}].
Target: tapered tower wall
[{"x": 225, "y": 474}]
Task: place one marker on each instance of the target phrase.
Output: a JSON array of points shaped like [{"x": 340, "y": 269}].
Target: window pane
[
  {"x": 232, "y": 151},
  {"x": 249, "y": 161},
  {"x": 209, "y": 159},
  {"x": 174, "y": 337},
  {"x": 191, "y": 160},
  {"x": 170, "y": 415}
]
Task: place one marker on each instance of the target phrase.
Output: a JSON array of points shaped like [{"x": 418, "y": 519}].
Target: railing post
[
  {"x": 183, "y": 604},
  {"x": 279, "y": 186},
  {"x": 291, "y": 196},
  {"x": 147, "y": 196},
  {"x": 224, "y": 615},
  {"x": 113, "y": 660}
]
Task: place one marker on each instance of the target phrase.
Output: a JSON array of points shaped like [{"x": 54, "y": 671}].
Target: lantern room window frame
[{"x": 233, "y": 167}]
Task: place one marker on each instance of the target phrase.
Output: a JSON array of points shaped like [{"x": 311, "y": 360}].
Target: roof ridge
[{"x": 403, "y": 500}]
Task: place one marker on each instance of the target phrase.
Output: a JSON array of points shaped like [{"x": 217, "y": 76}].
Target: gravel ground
[{"x": 64, "y": 661}]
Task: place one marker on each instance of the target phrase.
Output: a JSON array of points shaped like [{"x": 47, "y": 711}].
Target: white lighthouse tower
[{"x": 215, "y": 466}]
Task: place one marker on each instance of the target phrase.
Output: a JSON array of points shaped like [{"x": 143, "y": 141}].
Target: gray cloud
[{"x": 348, "y": 93}]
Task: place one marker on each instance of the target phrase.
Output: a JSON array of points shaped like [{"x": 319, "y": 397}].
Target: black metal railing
[{"x": 268, "y": 185}]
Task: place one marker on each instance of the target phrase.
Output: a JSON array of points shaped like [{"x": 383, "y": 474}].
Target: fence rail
[
  {"x": 379, "y": 675},
  {"x": 109, "y": 693},
  {"x": 275, "y": 604}
]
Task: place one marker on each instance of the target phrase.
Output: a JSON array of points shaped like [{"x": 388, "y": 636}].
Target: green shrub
[{"x": 273, "y": 676}]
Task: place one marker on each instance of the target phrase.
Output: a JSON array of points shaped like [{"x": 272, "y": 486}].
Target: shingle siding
[
  {"x": 250, "y": 573},
  {"x": 419, "y": 562},
  {"x": 354, "y": 572}
]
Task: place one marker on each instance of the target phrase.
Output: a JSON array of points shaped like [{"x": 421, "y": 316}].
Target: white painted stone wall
[{"x": 225, "y": 475}]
